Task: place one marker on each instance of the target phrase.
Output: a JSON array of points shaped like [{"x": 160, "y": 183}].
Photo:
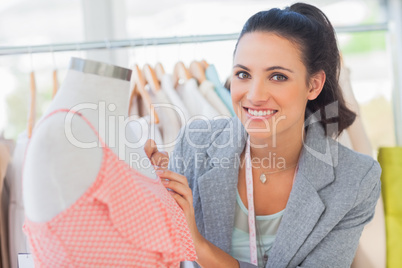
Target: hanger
[
  {"x": 55, "y": 80},
  {"x": 32, "y": 106},
  {"x": 204, "y": 64},
  {"x": 197, "y": 71},
  {"x": 150, "y": 77},
  {"x": 159, "y": 70},
  {"x": 55, "y": 83},
  {"x": 139, "y": 89},
  {"x": 180, "y": 74}
]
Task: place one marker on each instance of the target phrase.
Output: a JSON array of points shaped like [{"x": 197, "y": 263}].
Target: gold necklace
[{"x": 263, "y": 176}]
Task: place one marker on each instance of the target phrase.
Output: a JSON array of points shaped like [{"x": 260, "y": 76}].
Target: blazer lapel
[
  {"x": 217, "y": 186},
  {"x": 305, "y": 206},
  {"x": 303, "y": 210}
]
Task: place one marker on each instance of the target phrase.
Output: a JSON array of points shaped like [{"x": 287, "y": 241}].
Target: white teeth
[{"x": 260, "y": 113}]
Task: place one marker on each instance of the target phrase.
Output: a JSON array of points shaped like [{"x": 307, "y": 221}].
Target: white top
[
  {"x": 207, "y": 89},
  {"x": 171, "y": 93},
  {"x": 169, "y": 124},
  {"x": 195, "y": 101},
  {"x": 143, "y": 130},
  {"x": 267, "y": 227}
]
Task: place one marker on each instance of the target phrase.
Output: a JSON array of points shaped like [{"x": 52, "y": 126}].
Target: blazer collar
[{"x": 319, "y": 155}]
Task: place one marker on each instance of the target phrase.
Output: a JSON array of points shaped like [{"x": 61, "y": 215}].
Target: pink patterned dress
[{"x": 124, "y": 219}]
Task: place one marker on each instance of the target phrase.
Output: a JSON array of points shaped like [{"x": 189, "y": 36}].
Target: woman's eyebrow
[
  {"x": 241, "y": 66},
  {"x": 278, "y": 68},
  {"x": 267, "y": 69}
]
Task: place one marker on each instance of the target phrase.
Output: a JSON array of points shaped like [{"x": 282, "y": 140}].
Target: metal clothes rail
[{"x": 113, "y": 44}]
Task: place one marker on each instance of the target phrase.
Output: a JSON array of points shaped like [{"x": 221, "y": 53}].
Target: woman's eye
[
  {"x": 243, "y": 75},
  {"x": 279, "y": 77}
]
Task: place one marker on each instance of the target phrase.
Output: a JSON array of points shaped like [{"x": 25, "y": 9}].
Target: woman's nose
[{"x": 258, "y": 92}]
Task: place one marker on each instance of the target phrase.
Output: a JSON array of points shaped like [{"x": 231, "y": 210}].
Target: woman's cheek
[{"x": 237, "y": 94}]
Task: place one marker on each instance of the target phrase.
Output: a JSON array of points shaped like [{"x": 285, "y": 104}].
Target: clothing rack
[{"x": 138, "y": 42}]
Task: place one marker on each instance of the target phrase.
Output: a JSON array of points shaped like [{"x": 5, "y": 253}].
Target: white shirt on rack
[
  {"x": 207, "y": 89},
  {"x": 195, "y": 101},
  {"x": 168, "y": 87},
  {"x": 169, "y": 124}
]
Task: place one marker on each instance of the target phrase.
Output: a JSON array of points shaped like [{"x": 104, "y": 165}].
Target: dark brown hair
[{"x": 309, "y": 28}]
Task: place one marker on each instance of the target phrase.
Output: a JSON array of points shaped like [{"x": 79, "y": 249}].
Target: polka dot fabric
[{"x": 124, "y": 219}]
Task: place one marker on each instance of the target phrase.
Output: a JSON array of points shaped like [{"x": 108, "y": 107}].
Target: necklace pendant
[{"x": 263, "y": 178}]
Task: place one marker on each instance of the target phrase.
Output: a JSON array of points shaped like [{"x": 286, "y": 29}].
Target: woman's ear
[{"x": 317, "y": 82}]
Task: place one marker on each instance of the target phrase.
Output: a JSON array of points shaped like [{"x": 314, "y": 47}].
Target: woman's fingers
[
  {"x": 178, "y": 188},
  {"x": 176, "y": 182},
  {"x": 150, "y": 148},
  {"x": 172, "y": 176},
  {"x": 160, "y": 159},
  {"x": 185, "y": 205}
]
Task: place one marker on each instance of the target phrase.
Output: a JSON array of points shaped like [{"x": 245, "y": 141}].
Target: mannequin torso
[{"x": 64, "y": 156}]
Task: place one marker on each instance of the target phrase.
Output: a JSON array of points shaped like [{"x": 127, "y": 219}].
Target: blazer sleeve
[{"x": 338, "y": 248}]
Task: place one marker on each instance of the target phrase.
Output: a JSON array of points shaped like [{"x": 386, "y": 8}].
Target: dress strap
[{"x": 73, "y": 112}]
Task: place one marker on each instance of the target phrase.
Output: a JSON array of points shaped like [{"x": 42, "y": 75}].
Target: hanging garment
[
  {"x": 144, "y": 130},
  {"x": 195, "y": 102},
  {"x": 124, "y": 219},
  {"x": 134, "y": 109},
  {"x": 169, "y": 124},
  {"x": 207, "y": 89},
  {"x": 4, "y": 163},
  {"x": 168, "y": 87},
  {"x": 18, "y": 241},
  {"x": 223, "y": 93}
]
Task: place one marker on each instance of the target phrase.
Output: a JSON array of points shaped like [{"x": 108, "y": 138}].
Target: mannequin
[{"x": 60, "y": 164}]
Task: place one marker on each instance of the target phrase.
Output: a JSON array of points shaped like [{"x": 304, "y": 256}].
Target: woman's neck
[{"x": 276, "y": 153}]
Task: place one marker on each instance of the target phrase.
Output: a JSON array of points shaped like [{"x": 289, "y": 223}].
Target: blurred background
[{"x": 364, "y": 30}]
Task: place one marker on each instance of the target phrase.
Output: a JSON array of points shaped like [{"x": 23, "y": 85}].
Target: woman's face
[{"x": 269, "y": 85}]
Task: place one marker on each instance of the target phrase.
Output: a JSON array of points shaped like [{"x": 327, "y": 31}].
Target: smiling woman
[{"x": 307, "y": 211}]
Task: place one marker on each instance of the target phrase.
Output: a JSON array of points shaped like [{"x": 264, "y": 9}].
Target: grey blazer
[{"x": 333, "y": 196}]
